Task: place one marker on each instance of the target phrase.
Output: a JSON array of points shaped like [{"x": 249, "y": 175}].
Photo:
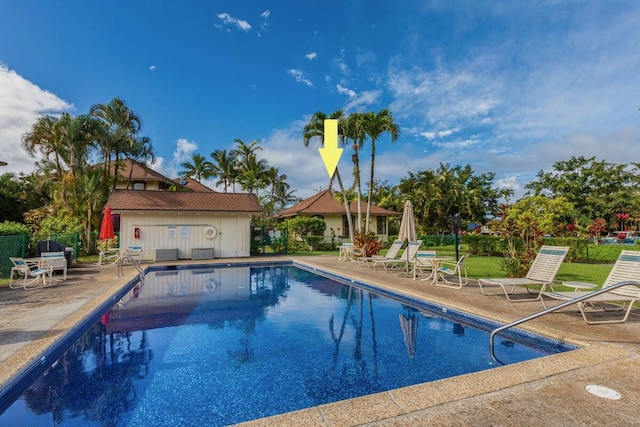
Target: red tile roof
[
  {"x": 139, "y": 172},
  {"x": 193, "y": 185},
  {"x": 324, "y": 204},
  {"x": 141, "y": 200}
]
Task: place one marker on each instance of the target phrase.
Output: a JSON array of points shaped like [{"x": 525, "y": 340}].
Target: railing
[
  {"x": 551, "y": 309},
  {"x": 128, "y": 259}
]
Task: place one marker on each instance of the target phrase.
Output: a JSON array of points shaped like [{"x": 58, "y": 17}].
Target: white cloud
[
  {"x": 311, "y": 55},
  {"x": 21, "y": 103},
  {"x": 265, "y": 14},
  {"x": 183, "y": 153},
  {"x": 345, "y": 91},
  {"x": 362, "y": 99},
  {"x": 230, "y": 20},
  {"x": 440, "y": 134},
  {"x": 299, "y": 76},
  {"x": 152, "y": 68},
  {"x": 284, "y": 149}
]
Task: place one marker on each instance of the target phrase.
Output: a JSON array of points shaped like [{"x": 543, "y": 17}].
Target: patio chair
[
  {"x": 453, "y": 271},
  {"x": 626, "y": 268},
  {"x": 55, "y": 261},
  {"x": 108, "y": 256},
  {"x": 422, "y": 264},
  {"x": 541, "y": 273},
  {"x": 405, "y": 259},
  {"x": 359, "y": 253},
  {"x": 34, "y": 276},
  {"x": 392, "y": 253}
]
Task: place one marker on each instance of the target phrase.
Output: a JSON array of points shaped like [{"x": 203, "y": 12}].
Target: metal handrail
[
  {"x": 131, "y": 261},
  {"x": 550, "y": 309}
]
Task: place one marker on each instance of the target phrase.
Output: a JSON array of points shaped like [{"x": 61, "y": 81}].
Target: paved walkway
[{"x": 547, "y": 391}]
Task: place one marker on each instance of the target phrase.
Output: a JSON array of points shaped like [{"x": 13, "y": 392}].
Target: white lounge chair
[
  {"x": 55, "y": 261},
  {"x": 34, "y": 276},
  {"x": 541, "y": 273},
  {"x": 626, "y": 268},
  {"x": 450, "y": 270},
  {"x": 406, "y": 258},
  {"x": 392, "y": 253}
]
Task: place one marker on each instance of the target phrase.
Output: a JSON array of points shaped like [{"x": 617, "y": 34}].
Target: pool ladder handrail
[
  {"x": 130, "y": 260},
  {"x": 551, "y": 309}
]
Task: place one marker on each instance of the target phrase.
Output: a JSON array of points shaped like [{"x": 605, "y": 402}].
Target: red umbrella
[{"x": 106, "y": 229}]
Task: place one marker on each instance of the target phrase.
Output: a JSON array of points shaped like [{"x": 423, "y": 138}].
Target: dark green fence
[
  {"x": 12, "y": 246},
  {"x": 24, "y": 246}
]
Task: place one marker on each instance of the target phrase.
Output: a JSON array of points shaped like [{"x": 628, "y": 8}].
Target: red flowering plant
[
  {"x": 622, "y": 217},
  {"x": 597, "y": 228}
]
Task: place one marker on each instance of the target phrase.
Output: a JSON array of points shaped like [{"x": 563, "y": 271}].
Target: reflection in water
[
  {"x": 349, "y": 377},
  {"x": 409, "y": 325},
  {"x": 94, "y": 379},
  {"x": 224, "y": 339}
]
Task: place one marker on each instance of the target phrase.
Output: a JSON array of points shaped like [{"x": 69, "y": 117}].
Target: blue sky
[{"x": 507, "y": 87}]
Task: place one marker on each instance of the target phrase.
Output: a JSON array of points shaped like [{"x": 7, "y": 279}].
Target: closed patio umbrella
[
  {"x": 106, "y": 229},
  {"x": 409, "y": 325},
  {"x": 407, "y": 227}
]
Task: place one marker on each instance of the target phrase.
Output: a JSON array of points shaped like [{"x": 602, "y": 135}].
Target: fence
[{"x": 24, "y": 246}]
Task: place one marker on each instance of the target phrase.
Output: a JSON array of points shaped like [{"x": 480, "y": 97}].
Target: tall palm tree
[
  {"x": 224, "y": 167},
  {"x": 198, "y": 168},
  {"x": 375, "y": 124},
  {"x": 354, "y": 129},
  {"x": 120, "y": 129},
  {"x": 315, "y": 129}
]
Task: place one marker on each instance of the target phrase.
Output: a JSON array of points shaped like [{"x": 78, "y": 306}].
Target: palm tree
[
  {"x": 315, "y": 128},
  {"x": 375, "y": 124},
  {"x": 354, "y": 129},
  {"x": 198, "y": 168},
  {"x": 224, "y": 167},
  {"x": 141, "y": 151},
  {"x": 65, "y": 144},
  {"x": 282, "y": 195},
  {"x": 244, "y": 150},
  {"x": 253, "y": 174},
  {"x": 120, "y": 127}
]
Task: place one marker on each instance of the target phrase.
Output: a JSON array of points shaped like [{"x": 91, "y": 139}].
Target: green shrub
[
  {"x": 514, "y": 267},
  {"x": 11, "y": 228},
  {"x": 481, "y": 244},
  {"x": 577, "y": 247},
  {"x": 607, "y": 253}
]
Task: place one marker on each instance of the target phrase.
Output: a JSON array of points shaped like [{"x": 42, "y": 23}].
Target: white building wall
[
  {"x": 335, "y": 222},
  {"x": 184, "y": 231}
]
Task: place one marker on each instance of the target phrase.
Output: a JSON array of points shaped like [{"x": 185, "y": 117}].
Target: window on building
[
  {"x": 345, "y": 225},
  {"x": 382, "y": 225},
  {"x": 139, "y": 185}
]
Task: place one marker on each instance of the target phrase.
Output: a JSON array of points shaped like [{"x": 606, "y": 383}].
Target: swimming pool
[{"x": 220, "y": 345}]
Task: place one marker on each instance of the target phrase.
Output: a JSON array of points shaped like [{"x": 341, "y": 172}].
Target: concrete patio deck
[{"x": 549, "y": 391}]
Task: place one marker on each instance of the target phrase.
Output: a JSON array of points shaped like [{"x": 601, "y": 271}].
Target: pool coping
[{"x": 367, "y": 409}]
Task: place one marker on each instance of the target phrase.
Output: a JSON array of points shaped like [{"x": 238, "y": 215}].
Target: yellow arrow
[{"x": 330, "y": 153}]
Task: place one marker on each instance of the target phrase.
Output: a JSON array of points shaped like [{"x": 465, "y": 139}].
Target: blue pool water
[{"x": 220, "y": 345}]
